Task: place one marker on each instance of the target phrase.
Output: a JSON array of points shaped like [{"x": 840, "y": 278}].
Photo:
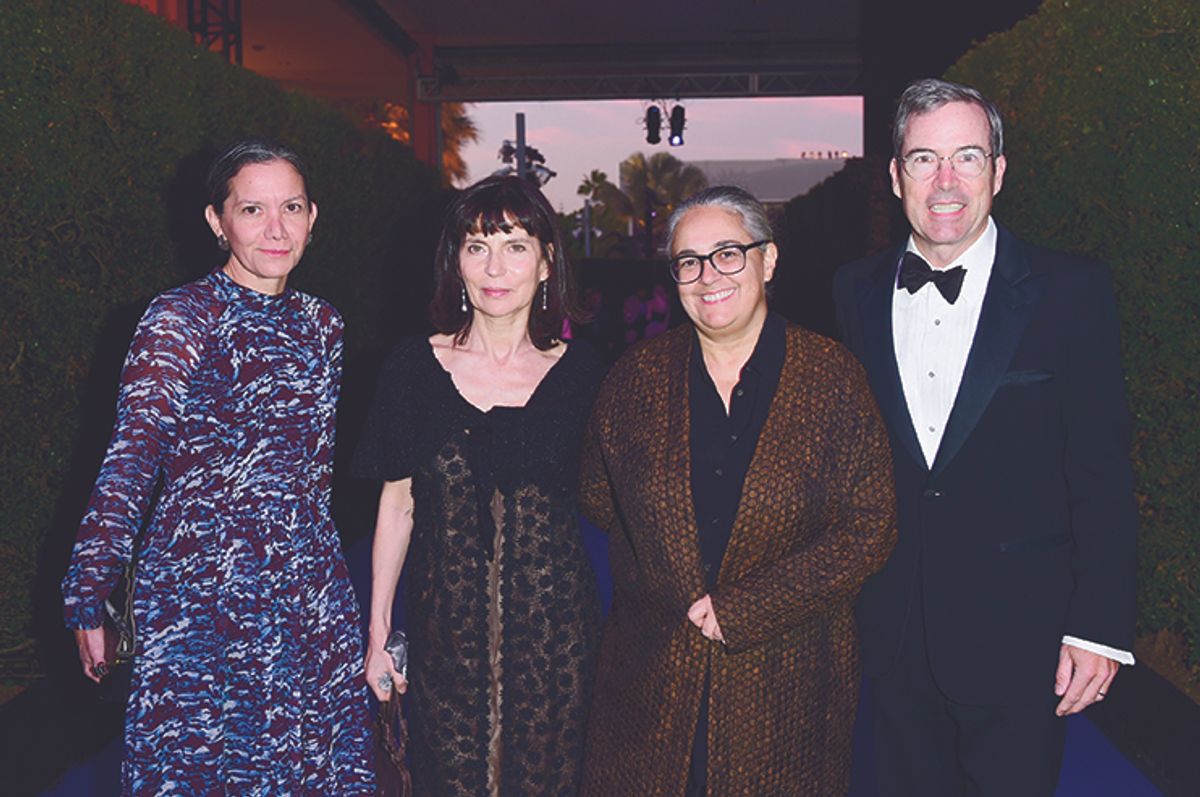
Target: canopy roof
[{"x": 468, "y": 50}]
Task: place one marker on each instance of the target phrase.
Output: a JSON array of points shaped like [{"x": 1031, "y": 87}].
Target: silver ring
[
  {"x": 385, "y": 683},
  {"x": 1101, "y": 694}
]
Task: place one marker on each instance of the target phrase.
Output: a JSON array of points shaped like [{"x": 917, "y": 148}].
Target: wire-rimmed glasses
[{"x": 968, "y": 162}]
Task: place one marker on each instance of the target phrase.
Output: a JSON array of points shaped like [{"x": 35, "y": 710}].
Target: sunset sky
[{"x": 577, "y": 137}]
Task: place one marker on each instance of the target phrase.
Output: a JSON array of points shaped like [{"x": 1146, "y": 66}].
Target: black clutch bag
[
  {"x": 391, "y": 737},
  {"x": 120, "y": 625},
  {"x": 119, "y": 608}
]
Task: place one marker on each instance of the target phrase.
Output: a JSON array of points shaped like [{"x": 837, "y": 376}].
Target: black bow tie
[{"x": 915, "y": 272}]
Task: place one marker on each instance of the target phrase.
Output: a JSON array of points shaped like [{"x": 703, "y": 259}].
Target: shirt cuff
[
  {"x": 1119, "y": 656},
  {"x": 85, "y": 617}
]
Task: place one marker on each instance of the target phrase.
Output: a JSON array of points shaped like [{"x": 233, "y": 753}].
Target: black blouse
[
  {"x": 418, "y": 409},
  {"x": 723, "y": 444}
]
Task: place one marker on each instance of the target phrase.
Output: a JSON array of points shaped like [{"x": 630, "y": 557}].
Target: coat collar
[
  {"x": 749, "y": 536},
  {"x": 1013, "y": 292},
  {"x": 677, "y": 459}
]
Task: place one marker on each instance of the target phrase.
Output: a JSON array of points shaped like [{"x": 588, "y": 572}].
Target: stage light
[
  {"x": 677, "y": 125},
  {"x": 653, "y": 125}
]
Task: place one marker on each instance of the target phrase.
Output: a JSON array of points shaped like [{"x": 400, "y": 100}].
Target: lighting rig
[{"x": 656, "y": 110}]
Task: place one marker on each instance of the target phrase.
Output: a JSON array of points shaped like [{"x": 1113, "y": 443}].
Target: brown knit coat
[{"x": 815, "y": 519}]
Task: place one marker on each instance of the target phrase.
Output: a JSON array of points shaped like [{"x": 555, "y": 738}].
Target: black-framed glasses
[
  {"x": 728, "y": 259},
  {"x": 968, "y": 162}
]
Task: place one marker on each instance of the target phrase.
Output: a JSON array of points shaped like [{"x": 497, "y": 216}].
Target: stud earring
[
  {"x": 222, "y": 243},
  {"x": 544, "y": 291},
  {"x": 464, "y": 299}
]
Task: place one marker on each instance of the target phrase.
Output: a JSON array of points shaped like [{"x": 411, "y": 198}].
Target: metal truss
[
  {"x": 213, "y": 22},
  {"x": 839, "y": 81}
]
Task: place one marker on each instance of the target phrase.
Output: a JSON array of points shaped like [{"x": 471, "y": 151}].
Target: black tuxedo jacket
[{"x": 1023, "y": 530}]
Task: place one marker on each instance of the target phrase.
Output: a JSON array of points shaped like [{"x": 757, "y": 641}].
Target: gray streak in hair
[{"x": 727, "y": 197}]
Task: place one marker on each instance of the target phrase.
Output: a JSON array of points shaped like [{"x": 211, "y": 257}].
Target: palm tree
[
  {"x": 611, "y": 213},
  {"x": 592, "y": 184},
  {"x": 604, "y": 195},
  {"x": 650, "y": 189},
  {"x": 458, "y": 130},
  {"x": 655, "y": 187}
]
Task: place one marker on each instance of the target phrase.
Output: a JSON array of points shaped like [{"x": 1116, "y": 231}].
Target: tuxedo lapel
[
  {"x": 1012, "y": 293},
  {"x": 879, "y": 354}
]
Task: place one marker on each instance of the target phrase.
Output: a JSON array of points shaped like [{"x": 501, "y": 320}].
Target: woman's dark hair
[
  {"x": 243, "y": 152},
  {"x": 499, "y": 204}
]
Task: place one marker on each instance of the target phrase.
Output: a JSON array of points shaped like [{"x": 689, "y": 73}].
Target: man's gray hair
[
  {"x": 727, "y": 197},
  {"x": 929, "y": 94}
]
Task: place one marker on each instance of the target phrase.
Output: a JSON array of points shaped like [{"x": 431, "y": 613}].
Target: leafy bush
[
  {"x": 844, "y": 217},
  {"x": 108, "y": 117},
  {"x": 1102, "y": 99}
]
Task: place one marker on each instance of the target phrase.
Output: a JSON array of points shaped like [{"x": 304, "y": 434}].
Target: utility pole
[
  {"x": 651, "y": 201},
  {"x": 587, "y": 228},
  {"x": 522, "y": 167},
  {"x": 530, "y": 164}
]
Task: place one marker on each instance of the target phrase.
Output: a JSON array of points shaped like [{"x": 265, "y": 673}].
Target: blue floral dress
[{"x": 248, "y": 674}]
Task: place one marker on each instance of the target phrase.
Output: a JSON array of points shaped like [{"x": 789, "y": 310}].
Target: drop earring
[
  {"x": 544, "y": 291},
  {"x": 222, "y": 243},
  {"x": 464, "y": 299}
]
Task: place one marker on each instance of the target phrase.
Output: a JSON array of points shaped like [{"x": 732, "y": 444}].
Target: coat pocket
[{"x": 1027, "y": 377}]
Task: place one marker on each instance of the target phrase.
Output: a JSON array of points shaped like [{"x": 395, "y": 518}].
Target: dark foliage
[
  {"x": 1102, "y": 99},
  {"x": 846, "y": 216},
  {"x": 108, "y": 117}
]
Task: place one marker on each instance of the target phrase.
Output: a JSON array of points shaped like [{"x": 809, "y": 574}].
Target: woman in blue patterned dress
[{"x": 246, "y": 676}]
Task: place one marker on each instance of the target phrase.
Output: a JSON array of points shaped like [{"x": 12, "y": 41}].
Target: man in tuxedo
[{"x": 1008, "y": 602}]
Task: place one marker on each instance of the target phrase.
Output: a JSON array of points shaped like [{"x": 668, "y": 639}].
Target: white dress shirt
[{"x": 932, "y": 339}]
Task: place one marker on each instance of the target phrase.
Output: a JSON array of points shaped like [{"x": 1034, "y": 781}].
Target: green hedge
[
  {"x": 844, "y": 217},
  {"x": 1102, "y": 102},
  {"x": 107, "y": 118}
]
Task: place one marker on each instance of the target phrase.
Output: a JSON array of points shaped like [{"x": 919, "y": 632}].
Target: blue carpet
[{"x": 1092, "y": 767}]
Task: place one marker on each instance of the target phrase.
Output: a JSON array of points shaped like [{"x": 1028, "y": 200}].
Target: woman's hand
[
  {"x": 703, "y": 617},
  {"x": 97, "y": 651},
  {"x": 378, "y": 667},
  {"x": 393, "y": 528}
]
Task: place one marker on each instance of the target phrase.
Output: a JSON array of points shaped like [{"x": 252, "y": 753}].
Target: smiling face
[
  {"x": 723, "y": 305},
  {"x": 502, "y": 271},
  {"x": 947, "y": 212},
  {"x": 266, "y": 218}
]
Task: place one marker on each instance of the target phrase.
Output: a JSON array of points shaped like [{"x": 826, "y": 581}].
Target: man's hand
[
  {"x": 702, "y": 616},
  {"x": 1083, "y": 678}
]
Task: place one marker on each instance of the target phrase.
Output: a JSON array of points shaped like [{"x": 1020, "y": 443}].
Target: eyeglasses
[
  {"x": 968, "y": 162},
  {"x": 728, "y": 259}
]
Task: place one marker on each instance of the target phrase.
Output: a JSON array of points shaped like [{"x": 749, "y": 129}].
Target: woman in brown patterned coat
[{"x": 744, "y": 475}]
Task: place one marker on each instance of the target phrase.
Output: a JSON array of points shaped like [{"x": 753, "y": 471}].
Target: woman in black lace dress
[{"x": 475, "y": 433}]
